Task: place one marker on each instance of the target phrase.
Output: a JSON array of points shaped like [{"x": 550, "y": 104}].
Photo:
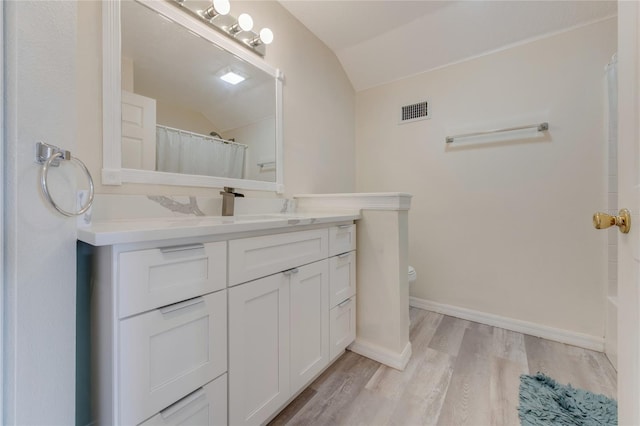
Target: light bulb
[
  {"x": 222, "y": 6},
  {"x": 218, "y": 7},
  {"x": 266, "y": 35},
  {"x": 245, "y": 22}
]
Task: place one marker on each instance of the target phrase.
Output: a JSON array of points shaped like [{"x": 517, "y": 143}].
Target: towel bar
[{"x": 540, "y": 127}]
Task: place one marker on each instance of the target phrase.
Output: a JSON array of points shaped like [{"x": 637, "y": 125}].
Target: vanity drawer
[
  {"x": 342, "y": 273},
  {"x": 342, "y": 238},
  {"x": 342, "y": 327},
  {"x": 169, "y": 352},
  {"x": 206, "y": 406},
  {"x": 255, "y": 257},
  {"x": 148, "y": 279}
]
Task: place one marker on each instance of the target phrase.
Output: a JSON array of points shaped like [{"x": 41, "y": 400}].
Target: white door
[
  {"x": 138, "y": 132},
  {"x": 629, "y": 197},
  {"x": 258, "y": 349},
  {"x": 309, "y": 322}
]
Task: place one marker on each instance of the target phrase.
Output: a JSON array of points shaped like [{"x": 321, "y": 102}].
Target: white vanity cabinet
[
  {"x": 255, "y": 257},
  {"x": 258, "y": 349},
  {"x": 342, "y": 317},
  {"x": 159, "y": 326},
  {"x": 343, "y": 302},
  {"x": 342, "y": 238},
  {"x": 168, "y": 353},
  {"x": 278, "y": 339},
  {"x": 218, "y": 329},
  {"x": 309, "y": 328},
  {"x": 279, "y": 326},
  {"x": 205, "y": 406}
]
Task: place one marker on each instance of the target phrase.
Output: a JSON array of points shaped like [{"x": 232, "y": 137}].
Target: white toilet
[{"x": 412, "y": 275}]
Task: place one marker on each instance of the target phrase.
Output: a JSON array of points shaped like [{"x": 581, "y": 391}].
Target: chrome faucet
[{"x": 228, "y": 200}]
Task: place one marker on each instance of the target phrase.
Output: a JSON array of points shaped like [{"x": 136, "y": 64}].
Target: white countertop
[{"x": 121, "y": 231}]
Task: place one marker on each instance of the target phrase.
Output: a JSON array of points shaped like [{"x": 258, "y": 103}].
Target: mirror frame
[{"x": 112, "y": 171}]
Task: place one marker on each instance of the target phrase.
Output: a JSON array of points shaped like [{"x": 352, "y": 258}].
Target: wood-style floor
[{"x": 460, "y": 373}]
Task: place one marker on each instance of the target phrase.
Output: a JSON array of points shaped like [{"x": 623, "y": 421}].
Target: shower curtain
[{"x": 185, "y": 152}]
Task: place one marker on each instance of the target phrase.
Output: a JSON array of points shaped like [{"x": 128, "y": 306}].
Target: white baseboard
[
  {"x": 384, "y": 356},
  {"x": 559, "y": 335}
]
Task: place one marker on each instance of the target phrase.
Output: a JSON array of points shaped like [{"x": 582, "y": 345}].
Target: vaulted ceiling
[{"x": 386, "y": 40}]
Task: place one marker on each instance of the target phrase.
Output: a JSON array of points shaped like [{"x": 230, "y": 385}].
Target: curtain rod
[{"x": 203, "y": 136}]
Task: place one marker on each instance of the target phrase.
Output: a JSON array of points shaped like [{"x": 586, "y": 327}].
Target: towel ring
[{"x": 55, "y": 157}]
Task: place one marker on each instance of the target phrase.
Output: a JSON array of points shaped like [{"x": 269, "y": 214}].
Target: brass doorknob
[{"x": 622, "y": 221}]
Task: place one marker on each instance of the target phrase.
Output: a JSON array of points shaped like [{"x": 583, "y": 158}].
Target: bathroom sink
[
  {"x": 254, "y": 217},
  {"x": 120, "y": 231},
  {"x": 191, "y": 221},
  {"x": 213, "y": 220}
]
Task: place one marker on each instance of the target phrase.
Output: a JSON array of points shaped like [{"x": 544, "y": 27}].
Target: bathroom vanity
[{"x": 217, "y": 320}]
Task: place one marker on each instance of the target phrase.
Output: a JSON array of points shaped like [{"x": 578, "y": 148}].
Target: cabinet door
[
  {"x": 255, "y": 257},
  {"x": 342, "y": 238},
  {"x": 258, "y": 349},
  {"x": 342, "y": 275},
  {"x": 343, "y": 326},
  {"x": 167, "y": 353},
  {"x": 148, "y": 279},
  {"x": 206, "y": 406},
  {"x": 309, "y": 322}
]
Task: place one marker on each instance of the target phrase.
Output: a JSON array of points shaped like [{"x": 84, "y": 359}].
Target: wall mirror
[{"x": 169, "y": 119}]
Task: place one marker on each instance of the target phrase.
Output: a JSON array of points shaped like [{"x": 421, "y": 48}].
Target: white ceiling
[{"x": 386, "y": 40}]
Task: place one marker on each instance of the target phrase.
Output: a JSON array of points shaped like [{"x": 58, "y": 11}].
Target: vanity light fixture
[
  {"x": 240, "y": 29},
  {"x": 265, "y": 37},
  {"x": 245, "y": 23},
  {"x": 218, "y": 7},
  {"x": 232, "y": 78}
]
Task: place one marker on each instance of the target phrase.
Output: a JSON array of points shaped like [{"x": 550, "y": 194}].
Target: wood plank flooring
[{"x": 460, "y": 373}]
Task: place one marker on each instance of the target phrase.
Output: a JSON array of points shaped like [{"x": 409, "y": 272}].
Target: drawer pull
[
  {"x": 291, "y": 271},
  {"x": 179, "y": 405},
  {"x": 345, "y": 303},
  {"x": 343, "y": 255},
  {"x": 183, "y": 247},
  {"x": 181, "y": 305},
  {"x": 344, "y": 226}
]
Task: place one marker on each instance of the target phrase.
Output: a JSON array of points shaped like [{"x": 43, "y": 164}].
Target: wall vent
[{"x": 414, "y": 112}]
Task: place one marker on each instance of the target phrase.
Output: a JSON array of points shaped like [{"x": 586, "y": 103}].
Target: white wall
[
  {"x": 259, "y": 137},
  {"x": 167, "y": 113},
  {"x": 319, "y": 104},
  {"x": 178, "y": 117},
  {"x": 502, "y": 227},
  {"x": 40, "y": 289}
]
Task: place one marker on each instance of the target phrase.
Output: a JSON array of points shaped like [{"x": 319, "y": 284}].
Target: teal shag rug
[{"x": 544, "y": 402}]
